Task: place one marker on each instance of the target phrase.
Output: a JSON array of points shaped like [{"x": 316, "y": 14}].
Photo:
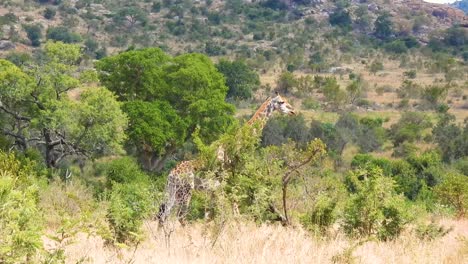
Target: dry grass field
[{"x": 245, "y": 242}]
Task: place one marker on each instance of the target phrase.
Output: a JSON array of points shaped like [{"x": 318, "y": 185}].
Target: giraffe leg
[
  {"x": 184, "y": 205},
  {"x": 169, "y": 201}
]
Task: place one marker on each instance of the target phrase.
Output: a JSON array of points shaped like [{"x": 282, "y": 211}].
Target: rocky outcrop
[
  {"x": 6, "y": 45},
  {"x": 445, "y": 13}
]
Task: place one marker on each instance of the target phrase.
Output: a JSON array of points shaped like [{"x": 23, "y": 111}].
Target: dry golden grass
[{"x": 247, "y": 243}]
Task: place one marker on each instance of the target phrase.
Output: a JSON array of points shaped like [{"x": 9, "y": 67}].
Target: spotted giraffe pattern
[{"x": 181, "y": 180}]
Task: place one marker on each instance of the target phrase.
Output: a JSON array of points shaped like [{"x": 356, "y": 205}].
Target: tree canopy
[
  {"x": 37, "y": 112},
  {"x": 181, "y": 93}
]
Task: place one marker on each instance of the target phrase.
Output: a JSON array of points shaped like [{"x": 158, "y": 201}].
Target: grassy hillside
[{"x": 364, "y": 158}]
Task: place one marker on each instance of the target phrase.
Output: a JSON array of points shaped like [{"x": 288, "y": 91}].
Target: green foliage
[
  {"x": 431, "y": 231},
  {"x": 92, "y": 125},
  {"x": 326, "y": 207},
  {"x": 240, "y": 79},
  {"x": 409, "y": 128},
  {"x": 124, "y": 170},
  {"x": 434, "y": 94},
  {"x": 374, "y": 209},
  {"x": 154, "y": 126},
  {"x": 310, "y": 104},
  {"x": 20, "y": 217},
  {"x": 131, "y": 16},
  {"x": 130, "y": 203},
  {"x": 396, "y": 46},
  {"x": 136, "y": 74},
  {"x": 453, "y": 191},
  {"x": 49, "y": 13},
  {"x": 69, "y": 208},
  {"x": 376, "y": 66},
  {"x": 451, "y": 138},
  {"x": 286, "y": 83},
  {"x": 190, "y": 93},
  {"x": 34, "y": 33},
  {"x": 383, "y": 26},
  {"x": 341, "y": 18},
  {"x": 333, "y": 93},
  {"x": 62, "y": 34},
  {"x": 278, "y": 130},
  {"x": 367, "y": 133}
]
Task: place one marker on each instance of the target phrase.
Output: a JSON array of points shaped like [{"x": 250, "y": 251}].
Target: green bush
[
  {"x": 34, "y": 33},
  {"x": 310, "y": 104},
  {"x": 453, "y": 191},
  {"x": 130, "y": 204},
  {"x": 20, "y": 218},
  {"x": 374, "y": 208},
  {"x": 124, "y": 170},
  {"x": 431, "y": 231},
  {"x": 62, "y": 34},
  {"x": 322, "y": 216}
]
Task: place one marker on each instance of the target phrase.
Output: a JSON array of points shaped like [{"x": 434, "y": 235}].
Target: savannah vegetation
[{"x": 99, "y": 100}]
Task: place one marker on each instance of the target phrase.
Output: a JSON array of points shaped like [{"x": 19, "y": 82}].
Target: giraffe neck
[{"x": 262, "y": 114}]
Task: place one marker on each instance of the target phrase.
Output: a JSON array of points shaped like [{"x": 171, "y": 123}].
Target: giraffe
[{"x": 182, "y": 179}]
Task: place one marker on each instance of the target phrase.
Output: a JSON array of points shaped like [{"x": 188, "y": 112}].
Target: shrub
[
  {"x": 411, "y": 74},
  {"x": 310, "y": 104},
  {"x": 431, "y": 231},
  {"x": 130, "y": 203},
  {"x": 453, "y": 191},
  {"x": 20, "y": 218},
  {"x": 322, "y": 216},
  {"x": 124, "y": 170},
  {"x": 50, "y": 12},
  {"x": 34, "y": 33},
  {"x": 374, "y": 209},
  {"x": 62, "y": 34}
]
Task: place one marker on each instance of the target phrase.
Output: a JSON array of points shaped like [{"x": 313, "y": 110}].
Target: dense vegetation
[{"x": 89, "y": 134}]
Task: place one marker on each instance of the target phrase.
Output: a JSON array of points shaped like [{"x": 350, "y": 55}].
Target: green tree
[
  {"x": 409, "y": 128},
  {"x": 131, "y": 16},
  {"x": 190, "y": 93},
  {"x": 240, "y": 79},
  {"x": 434, "y": 94},
  {"x": 383, "y": 27},
  {"x": 34, "y": 33},
  {"x": 341, "y": 18},
  {"x": 451, "y": 138},
  {"x": 155, "y": 128},
  {"x": 36, "y": 111},
  {"x": 333, "y": 92}
]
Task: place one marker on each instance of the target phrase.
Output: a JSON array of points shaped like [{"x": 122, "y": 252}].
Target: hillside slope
[{"x": 233, "y": 28}]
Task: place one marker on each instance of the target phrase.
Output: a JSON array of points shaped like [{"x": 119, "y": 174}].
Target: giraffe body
[{"x": 181, "y": 180}]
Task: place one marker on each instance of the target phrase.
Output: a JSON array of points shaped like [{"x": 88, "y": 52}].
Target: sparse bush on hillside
[
  {"x": 62, "y": 34},
  {"x": 376, "y": 66},
  {"x": 50, "y": 12},
  {"x": 34, "y": 33}
]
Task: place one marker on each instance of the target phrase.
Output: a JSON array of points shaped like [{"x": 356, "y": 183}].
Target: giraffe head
[{"x": 278, "y": 103}]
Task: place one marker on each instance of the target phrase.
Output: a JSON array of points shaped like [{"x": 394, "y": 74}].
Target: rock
[{"x": 6, "y": 45}]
